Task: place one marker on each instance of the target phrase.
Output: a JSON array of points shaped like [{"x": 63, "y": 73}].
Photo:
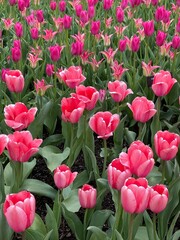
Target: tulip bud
[{"x": 87, "y": 196}]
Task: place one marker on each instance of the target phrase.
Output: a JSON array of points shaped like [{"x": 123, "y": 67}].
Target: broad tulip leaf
[
  {"x": 28, "y": 167},
  {"x": 53, "y": 156},
  {"x": 80, "y": 180},
  {"x": 118, "y": 235},
  {"x": 72, "y": 202},
  {"x": 129, "y": 135},
  {"x": 39, "y": 187},
  {"x": 2, "y": 191},
  {"x": 51, "y": 118},
  {"x": 48, "y": 235},
  {"x": 97, "y": 233},
  {"x": 5, "y": 230},
  {"x": 176, "y": 235},
  {"x": 171, "y": 228},
  {"x": 38, "y": 225},
  {"x": 141, "y": 234},
  {"x": 33, "y": 235},
  {"x": 51, "y": 224}
]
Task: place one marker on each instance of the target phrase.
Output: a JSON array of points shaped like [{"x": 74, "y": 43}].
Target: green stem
[
  {"x": 71, "y": 144},
  {"x": 174, "y": 63},
  {"x": 59, "y": 209},
  {"x": 105, "y": 157},
  {"x": 163, "y": 164},
  {"x": 85, "y": 223},
  {"x": 158, "y": 107},
  {"x": 117, "y": 218},
  {"x": 154, "y": 225},
  {"x": 17, "y": 168},
  {"x": 130, "y": 233}
]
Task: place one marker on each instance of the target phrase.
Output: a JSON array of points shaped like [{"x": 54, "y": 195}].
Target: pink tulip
[
  {"x": 91, "y": 12},
  {"x": 12, "y": 2},
  {"x": 55, "y": 52},
  {"x": 135, "y": 43},
  {"x": 176, "y": 42},
  {"x": 63, "y": 177},
  {"x": 107, "y": 4},
  {"x": 84, "y": 16},
  {"x": 95, "y": 27},
  {"x": 18, "y": 27},
  {"x": 3, "y": 73},
  {"x": 178, "y": 25},
  {"x": 14, "y": 81},
  {"x": 77, "y": 48},
  {"x": 87, "y": 196},
  {"x": 72, "y": 109},
  {"x": 18, "y": 117},
  {"x": 17, "y": 44},
  {"x": 166, "y": 144},
  {"x": 135, "y": 3},
  {"x": 40, "y": 16},
  {"x": 117, "y": 174},
  {"x": 166, "y": 16},
  {"x": 62, "y": 6},
  {"x": 122, "y": 45},
  {"x": 89, "y": 95},
  {"x": 21, "y": 5},
  {"x": 139, "y": 159},
  {"x": 21, "y": 146},
  {"x": 34, "y": 33},
  {"x": 118, "y": 90},
  {"x": 124, "y": 4},
  {"x": 135, "y": 195},
  {"x": 19, "y": 210},
  {"x": 53, "y": 5},
  {"x": 162, "y": 83},
  {"x": 104, "y": 124},
  {"x": 159, "y": 14},
  {"x": 3, "y": 142},
  {"x": 158, "y": 198},
  {"x": 148, "y": 28},
  {"x": 78, "y": 9},
  {"x": 41, "y": 87},
  {"x": 160, "y": 38},
  {"x": 72, "y": 76},
  {"x": 67, "y": 21},
  {"x": 16, "y": 54},
  {"x": 119, "y": 14},
  {"x": 154, "y": 2},
  {"x": 49, "y": 69},
  {"x": 142, "y": 109},
  {"x": 148, "y": 68}
]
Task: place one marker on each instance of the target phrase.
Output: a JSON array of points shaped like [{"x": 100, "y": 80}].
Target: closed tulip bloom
[
  {"x": 3, "y": 73},
  {"x": 154, "y": 2},
  {"x": 135, "y": 195},
  {"x": 178, "y": 25},
  {"x": 142, "y": 109},
  {"x": 14, "y": 81},
  {"x": 166, "y": 144},
  {"x": 53, "y": 5},
  {"x": 34, "y": 33},
  {"x": 122, "y": 45},
  {"x": 135, "y": 43},
  {"x": 158, "y": 198},
  {"x": 162, "y": 83},
  {"x": 40, "y": 16},
  {"x": 72, "y": 109},
  {"x": 3, "y": 142},
  {"x": 63, "y": 177},
  {"x": 21, "y": 5},
  {"x": 16, "y": 54},
  {"x": 87, "y": 196},
  {"x": 12, "y": 2},
  {"x": 118, "y": 90},
  {"x": 55, "y": 52},
  {"x": 18, "y": 116},
  {"x": 62, "y": 6},
  {"x": 79, "y": 9},
  {"x": 107, "y": 4},
  {"x": 104, "y": 124},
  {"x": 176, "y": 42},
  {"x": 119, "y": 14},
  {"x": 89, "y": 95},
  {"x": 159, "y": 14},
  {"x": 84, "y": 16},
  {"x": 49, "y": 69},
  {"x": 67, "y": 21},
  {"x": 124, "y": 4},
  {"x": 19, "y": 210},
  {"x": 18, "y": 27},
  {"x": 21, "y": 146},
  {"x": 72, "y": 76},
  {"x": 166, "y": 16},
  {"x": 17, "y": 44},
  {"x": 77, "y": 48},
  {"x": 95, "y": 27},
  {"x": 148, "y": 28},
  {"x": 91, "y": 12},
  {"x": 160, "y": 38},
  {"x": 139, "y": 159},
  {"x": 117, "y": 174}
]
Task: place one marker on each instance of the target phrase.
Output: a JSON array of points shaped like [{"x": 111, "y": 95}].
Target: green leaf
[
  {"x": 2, "y": 191},
  {"x": 28, "y": 167},
  {"x": 51, "y": 224},
  {"x": 5, "y": 230},
  {"x": 51, "y": 118},
  {"x": 118, "y": 235},
  {"x": 154, "y": 177},
  {"x": 171, "y": 228},
  {"x": 176, "y": 235},
  {"x": 53, "y": 156},
  {"x": 48, "y": 236},
  {"x": 74, "y": 223},
  {"x": 80, "y": 180},
  {"x": 33, "y": 235},
  {"x": 72, "y": 202},
  {"x": 8, "y": 175},
  {"x": 98, "y": 233},
  {"x": 53, "y": 140},
  {"x": 149, "y": 225},
  {"x": 137, "y": 222},
  {"x": 39, "y": 187},
  {"x": 129, "y": 136},
  {"x": 38, "y": 225},
  {"x": 142, "y": 234}
]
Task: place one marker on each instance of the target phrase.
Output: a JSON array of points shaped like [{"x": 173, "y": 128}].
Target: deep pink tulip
[
  {"x": 67, "y": 21},
  {"x": 148, "y": 28},
  {"x": 21, "y": 5},
  {"x": 118, "y": 90},
  {"x": 119, "y": 14},
  {"x": 49, "y": 69},
  {"x": 91, "y": 12},
  {"x": 72, "y": 109},
  {"x": 124, "y": 4},
  {"x": 135, "y": 195},
  {"x": 12, "y": 2},
  {"x": 104, "y": 124},
  {"x": 166, "y": 16},
  {"x": 178, "y": 3},
  {"x": 135, "y": 3},
  {"x": 154, "y": 2},
  {"x": 21, "y": 146},
  {"x": 176, "y": 42},
  {"x": 14, "y": 80},
  {"x": 72, "y": 76},
  {"x": 3, "y": 142},
  {"x": 19, "y": 210},
  {"x": 160, "y": 38},
  {"x": 162, "y": 83},
  {"x": 142, "y": 109},
  {"x": 16, "y": 54},
  {"x": 89, "y": 95},
  {"x": 55, "y": 52},
  {"x": 27, "y": 3},
  {"x": 18, "y": 116},
  {"x": 40, "y": 16},
  {"x": 139, "y": 159},
  {"x": 63, "y": 177},
  {"x": 159, "y": 14},
  {"x": 122, "y": 45},
  {"x": 18, "y": 28},
  {"x": 158, "y": 198},
  {"x": 84, "y": 16},
  {"x": 77, "y": 48},
  {"x": 78, "y": 9},
  {"x": 62, "y": 6},
  {"x": 117, "y": 174},
  {"x": 53, "y": 5},
  {"x": 17, "y": 43},
  {"x": 87, "y": 196},
  {"x": 178, "y": 25},
  {"x": 107, "y": 4},
  {"x": 34, "y": 33},
  {"x": 3, "y": 73},
  {"x": 135, "y": 43},
  {"x": 166, "y": 144},
  {"x": 95, "y": 27}
]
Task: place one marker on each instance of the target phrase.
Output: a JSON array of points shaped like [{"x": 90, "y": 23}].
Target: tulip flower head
[
  {"x": 87, "y": 196},
  {"x": 14, "y": 81}
]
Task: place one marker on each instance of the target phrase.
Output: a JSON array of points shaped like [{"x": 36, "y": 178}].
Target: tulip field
[{"x": 90, "y": 119}]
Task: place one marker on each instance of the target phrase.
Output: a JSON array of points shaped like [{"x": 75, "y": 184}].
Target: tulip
[
  {"x": 107, "y": 4},
  {"x": 53, "y": 5},
  {"x": 14, "y": 81},
  {"x": 49, "y": 69},
  {"x": 160, "y": 38},
  {"x": 78, "y": 9},
  {"x": 18, "y": 27},
  {"x": 62, "y": 6},
  {"x": 124, "y": 4},
  {"x": 135, "y": 3},
  {"x": 158, "y": 198},
  {"x": 117, "y": 174},
  {"x": 148, "y": 28},
  {"x": 104, "y": 124},
  {"x": 72, "y": 76},
  {"x": 91, "y": 12},
  {"x": 21, "y": 146},
  {"x": 77, "y": 48},
  {"x": 21, "y": 5},
  {"x": 19, "y": 210},
  {"x": 18, "y": 117},
  {"x": 166, "y": 16},
  {"x": 135, "y": 43},
  {"x": 89, "y": 95},
  {"x": 139, "y": 159},
  {"x": 142, "y": 109},
  {"x": 3, "y": 142},
  {"x": 34, "y": 33},
  {"x": 67, "y": 21},
  {"x": 3, "y": 73},
  {"x": 40, "y": 16},
  {"x": 159, "y": 14},
  {"x": 154, "y": 2},
  {"x": 84, "y": 16},
  {"x": 119, "y": 14},
  {"x": 17, "y": 44},
  {"x": 95, "y": 27},
  {"x": 162, "y": 83},
  {"x": 166, "y": 144},
  {"x": 63, "y": 177},
  {"x": 72, "y": 109},
  {"x": 148, "y": 68},
  {"x": 118, "y": 90},
  {"x": 12, "y": 2},
  {"x": 41, "y": 87},
  {"x": 87, "y": 196},
  {"x": 176, "y": 42},
  {"x": 178, "y": 25},
  {"x": 135, "y": 195},
  {"x": 16, "y": 54},
  {"x": 122, "y": 45},
  {"x": 55, "y": 52}
]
